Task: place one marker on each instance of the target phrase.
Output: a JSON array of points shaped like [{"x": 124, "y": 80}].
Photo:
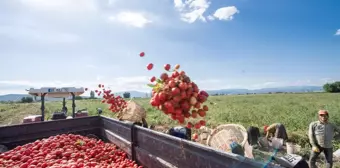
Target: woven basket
[
  {"x": 224, "y": 135},
  {"x": 134, "y": 112}
]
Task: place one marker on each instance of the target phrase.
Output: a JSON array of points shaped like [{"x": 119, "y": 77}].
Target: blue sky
[{"x": 220, "y": 44}]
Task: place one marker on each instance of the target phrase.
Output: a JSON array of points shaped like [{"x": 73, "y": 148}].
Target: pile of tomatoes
[
  {"x": 66, "y": 151},
  {"x": 177, "y": 96}
]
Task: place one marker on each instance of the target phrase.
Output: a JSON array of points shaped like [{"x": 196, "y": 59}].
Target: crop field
[{"x": 295, "y": 111}]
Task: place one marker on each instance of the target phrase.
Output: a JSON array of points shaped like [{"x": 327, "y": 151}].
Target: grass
[{"x": 295, "y": 111}]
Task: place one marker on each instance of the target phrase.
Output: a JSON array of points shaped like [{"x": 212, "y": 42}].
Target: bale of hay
[{"x": 133, "y": 112}]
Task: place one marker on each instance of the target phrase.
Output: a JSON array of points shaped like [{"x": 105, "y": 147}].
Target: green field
[{"x": 295, "y": 111}]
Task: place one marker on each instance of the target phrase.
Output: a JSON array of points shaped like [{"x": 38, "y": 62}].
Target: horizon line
[{"x": 209, "y": 89}]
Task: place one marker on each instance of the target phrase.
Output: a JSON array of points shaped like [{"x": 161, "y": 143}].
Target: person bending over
[{"x": 276, "y": 130}]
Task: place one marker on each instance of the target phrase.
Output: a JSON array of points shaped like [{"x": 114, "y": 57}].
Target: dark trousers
[
  {"x": 253, "y": 135},
  {"x": 328, "y": 155},
  {"x": 281, "y": 132}
]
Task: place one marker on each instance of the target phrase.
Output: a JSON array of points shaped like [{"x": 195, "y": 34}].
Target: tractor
[{"x": 54, "y": 92}]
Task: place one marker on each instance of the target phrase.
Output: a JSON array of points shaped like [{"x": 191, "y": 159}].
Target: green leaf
[
  {"x": 159, "y": 81},
  {"x": 80, "y": 142},
  {"x": 151, "y": 85}
]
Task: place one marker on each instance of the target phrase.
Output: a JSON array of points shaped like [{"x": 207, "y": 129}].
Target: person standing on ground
[
  {"x": 276, "y": 130},
  {"x": 320, "y": 136}
]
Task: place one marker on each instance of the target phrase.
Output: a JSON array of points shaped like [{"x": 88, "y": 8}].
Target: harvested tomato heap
[
  {"x": 176, "y": 95},
  {"x": 67, "y": 151}
]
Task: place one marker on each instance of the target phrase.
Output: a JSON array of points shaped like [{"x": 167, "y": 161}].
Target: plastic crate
[
  {"x": 82, "y": 114},
  {"x": 32, "y": 118}
]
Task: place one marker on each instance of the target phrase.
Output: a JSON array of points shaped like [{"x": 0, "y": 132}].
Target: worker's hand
[{"x": 315, "y": 149}]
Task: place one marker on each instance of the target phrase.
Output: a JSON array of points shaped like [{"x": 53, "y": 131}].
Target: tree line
[
  {"x": 332, "y": 87},
  {"x": 126, "y": 95}
]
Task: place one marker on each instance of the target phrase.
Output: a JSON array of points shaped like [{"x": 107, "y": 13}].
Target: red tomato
[
  {"x": 149, "y": 66},
  {"x": 194, "y": 136},
  {"x": 202, "y": 122},
  {"x": 153, "y": 79},
  {"x": 205, "y": 108},
  {"x": 167, "y": 67},
  {"x": 189, "y": 125}
]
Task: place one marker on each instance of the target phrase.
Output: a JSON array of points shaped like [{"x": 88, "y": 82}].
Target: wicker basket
[
  {"x": 134, "y": 112},
  {"x": 224, "y": 135}
]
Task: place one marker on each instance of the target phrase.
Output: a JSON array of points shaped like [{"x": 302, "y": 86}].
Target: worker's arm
[
  {"x": 270, "y": 130},
  {"x": 311, "y": 134},
  {"x": 267, "y": 134},
  {"x": 336, "y": 128}
]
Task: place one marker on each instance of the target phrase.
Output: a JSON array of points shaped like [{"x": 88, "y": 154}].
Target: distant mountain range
[{"x": 295, "y": 89}]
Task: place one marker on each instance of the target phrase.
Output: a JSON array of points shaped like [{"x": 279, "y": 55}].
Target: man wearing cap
[{"x": 320, "y": 135}]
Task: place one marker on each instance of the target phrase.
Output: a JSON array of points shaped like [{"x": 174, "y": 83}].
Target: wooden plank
[
  {"x": 149, "y": 161},
  {"x": 122, "y": 143},
  {"x": 122, "y": 129}
]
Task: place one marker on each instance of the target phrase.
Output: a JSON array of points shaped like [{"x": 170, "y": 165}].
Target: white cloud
[
  {"x": 91, "y": 66},
  {"x": 18, "y": 82},
  {"x": 192, "y": 10},
  {"x": 327, "y": 80},
  {"x": 99, "y": 78},
  {"x": 337, "y": 33},
  {"x": 131, "y": 18},
  {"x": 211, "y": 17},
  {"x": 61, "y": 5},
  {"x": 46, "y": 36},
  {"x": 111, "y": 2},
  {"x": 225, "y": 13}
]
